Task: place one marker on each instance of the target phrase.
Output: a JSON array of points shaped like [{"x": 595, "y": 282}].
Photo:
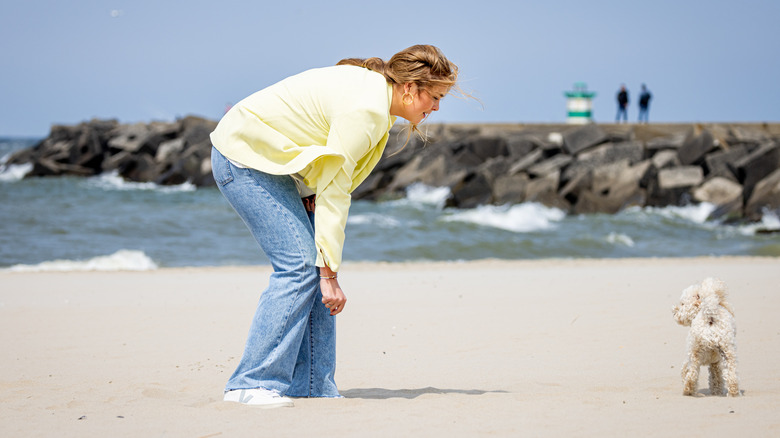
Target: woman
[{"x": 311, "y": 138}]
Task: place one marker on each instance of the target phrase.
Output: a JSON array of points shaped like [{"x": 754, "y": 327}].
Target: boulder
[
  {"x": 665, "y": 158},
  {"x": 195, "y": 130},
  {"x": 467, "y": 158},
  {"x": 573, "y": 188},
  {"x": 472, "y": 191},
  {"x": 695, "y": 148},
  {"x": 49, "y": 167},
  {"x": 400, "y": 150},
  {"x": 640, "y": 173},
  {"x": 87, "y": 150},
  {"x": 607, "y": 176},
  {"x": 671, "y": 142},
  {"x": 717, "y": 191},
  {"x": 206, "y": 177},
  {"x": 22, "y": 156},
  {"x": 633, "y": 151},
  {"x": 544, "y": 190},
  {"x": 169, "y": 149},
  {"x": 519, "y": 146},
  {"x": 129, "y": 138},
  {"x": 766, "y": 195},
  {"x": 140, "y": 168},
  {"x": 430, "y": 170},
  {"x": 488, "y": 147},
  {"x": 553, "y": 164},
  {"x": 724, "y": 193},
  {"x": 579, "y": 139},
  {"x": 140, "y": 138},
  {"x": 614, "y": 187},
  {"x": 757, "y": 165},
  {"x": 677, "y": 177},
  {"x": 719, "y": 163},
  {"x": 604, "y": 154},
  {"x": 748, "y": 135},
  {"x": 510, "y": 189},
  {"x": 116, "y": 162},
  {"x": 672, "y": 186},
  {"x": 493, "y": 168},
  {"x": 193, "y": 166},
  {"x": 590, "y": 203},
  {"x": 525, "y": 162}
]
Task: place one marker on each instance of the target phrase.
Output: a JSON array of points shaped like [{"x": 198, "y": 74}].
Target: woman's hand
[{"x": 332, "y": 295}]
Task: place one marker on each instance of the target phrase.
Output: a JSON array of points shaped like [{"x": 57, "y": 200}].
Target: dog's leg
[
  {"x": 716, "y": 378},
  {"x": 729, "y": 355},
  {"x": 690, "y": 377}
]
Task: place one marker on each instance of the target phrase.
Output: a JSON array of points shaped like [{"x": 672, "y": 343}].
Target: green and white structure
[{"x": 579, "y": 104}]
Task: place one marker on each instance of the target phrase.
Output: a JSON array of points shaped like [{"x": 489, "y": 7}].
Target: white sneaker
[{"x": 264, "y": 398}]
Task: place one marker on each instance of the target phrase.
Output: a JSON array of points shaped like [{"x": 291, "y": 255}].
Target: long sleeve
[{"x": 353, "y": 135}]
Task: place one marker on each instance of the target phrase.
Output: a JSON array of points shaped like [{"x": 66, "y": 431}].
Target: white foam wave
[
  {"x": 112, "y": 181},
  {"x": 377, "y": 219},
  {"x": 14, "y": 172},
  {"x": 520, "y": 218},
  {"x": 769, "y": 221},
  {"x": 698, "y": 213},
  {"x": 122, "y": 260},
  {"x": 423, "y": 194},
  {"x": 620, "y": 238}
]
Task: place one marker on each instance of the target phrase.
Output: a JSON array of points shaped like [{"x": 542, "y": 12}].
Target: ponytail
[{"x": 374, "y": 64}]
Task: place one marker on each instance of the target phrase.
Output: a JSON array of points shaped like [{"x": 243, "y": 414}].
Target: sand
[{"x": 488, "y": 348}]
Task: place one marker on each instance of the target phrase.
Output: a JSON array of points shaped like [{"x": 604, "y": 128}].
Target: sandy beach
[{"x": 488, "y": 348}]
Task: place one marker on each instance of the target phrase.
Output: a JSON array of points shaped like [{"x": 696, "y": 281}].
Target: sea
[{"x": 105, "y": 223}]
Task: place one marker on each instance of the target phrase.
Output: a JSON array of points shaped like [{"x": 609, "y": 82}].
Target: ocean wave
[
  {"x": 122, "y": 260},
  {"x": 698, "y": 213},
  {"x": 419, "y": 194},
  {"x": 769, "y": 221},
  {"x": 620, "y": 238},
  {"x": 14, "y": 172},
  {"x": 380, "y": 220},
  {"x": 113, "y": 181},
  {"x": 520, "y": 218}
]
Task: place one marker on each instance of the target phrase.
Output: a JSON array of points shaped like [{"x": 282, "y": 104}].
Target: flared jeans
[{"x": 291, "y": 347}]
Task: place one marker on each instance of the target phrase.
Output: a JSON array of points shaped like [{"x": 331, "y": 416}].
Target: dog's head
[{"x": 706, "y": 296}]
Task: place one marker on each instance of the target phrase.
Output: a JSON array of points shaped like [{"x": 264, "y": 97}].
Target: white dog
[{"x": 712, "y": 338}]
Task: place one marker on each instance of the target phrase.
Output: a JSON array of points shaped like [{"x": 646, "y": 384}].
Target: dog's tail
[{"x": 714, "y": 297}]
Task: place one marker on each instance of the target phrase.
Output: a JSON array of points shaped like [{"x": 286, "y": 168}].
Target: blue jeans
[
  {"x": 642, "y": 114},
  {"x": 291, "y": 345},
  {"x": 622, "y": 111}
]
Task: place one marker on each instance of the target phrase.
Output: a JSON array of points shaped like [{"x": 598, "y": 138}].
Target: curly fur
[{"x": 711, "y": 339}]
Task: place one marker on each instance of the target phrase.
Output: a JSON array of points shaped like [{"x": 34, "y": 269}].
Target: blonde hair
[{"x": 422, "y": 64}]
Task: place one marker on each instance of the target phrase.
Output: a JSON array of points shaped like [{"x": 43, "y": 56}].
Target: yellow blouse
[{"x": 330, "y": 125}]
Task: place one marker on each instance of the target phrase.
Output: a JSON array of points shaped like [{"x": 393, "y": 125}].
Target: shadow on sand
[{"x": 381, "y": 393}]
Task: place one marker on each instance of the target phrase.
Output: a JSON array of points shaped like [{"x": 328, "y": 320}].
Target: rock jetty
[
  {"x": 596, "y": 168},
  {"x": 166, "y": 153}
]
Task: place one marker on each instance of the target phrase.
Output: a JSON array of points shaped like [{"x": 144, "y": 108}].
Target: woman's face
[{"x": 424, "y": 103}]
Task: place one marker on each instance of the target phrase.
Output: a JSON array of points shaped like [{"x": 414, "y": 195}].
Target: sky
[{"x": 66, "y": 62}]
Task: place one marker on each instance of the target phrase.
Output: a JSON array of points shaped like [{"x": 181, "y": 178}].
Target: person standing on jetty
[
  {"x": 309, "y": 139},
  {"x": 644, "y": 104},
  {"x": 622, "y": 99}
]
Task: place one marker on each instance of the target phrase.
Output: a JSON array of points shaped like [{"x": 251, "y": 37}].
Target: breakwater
[{"x": 597, "y": 168}]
